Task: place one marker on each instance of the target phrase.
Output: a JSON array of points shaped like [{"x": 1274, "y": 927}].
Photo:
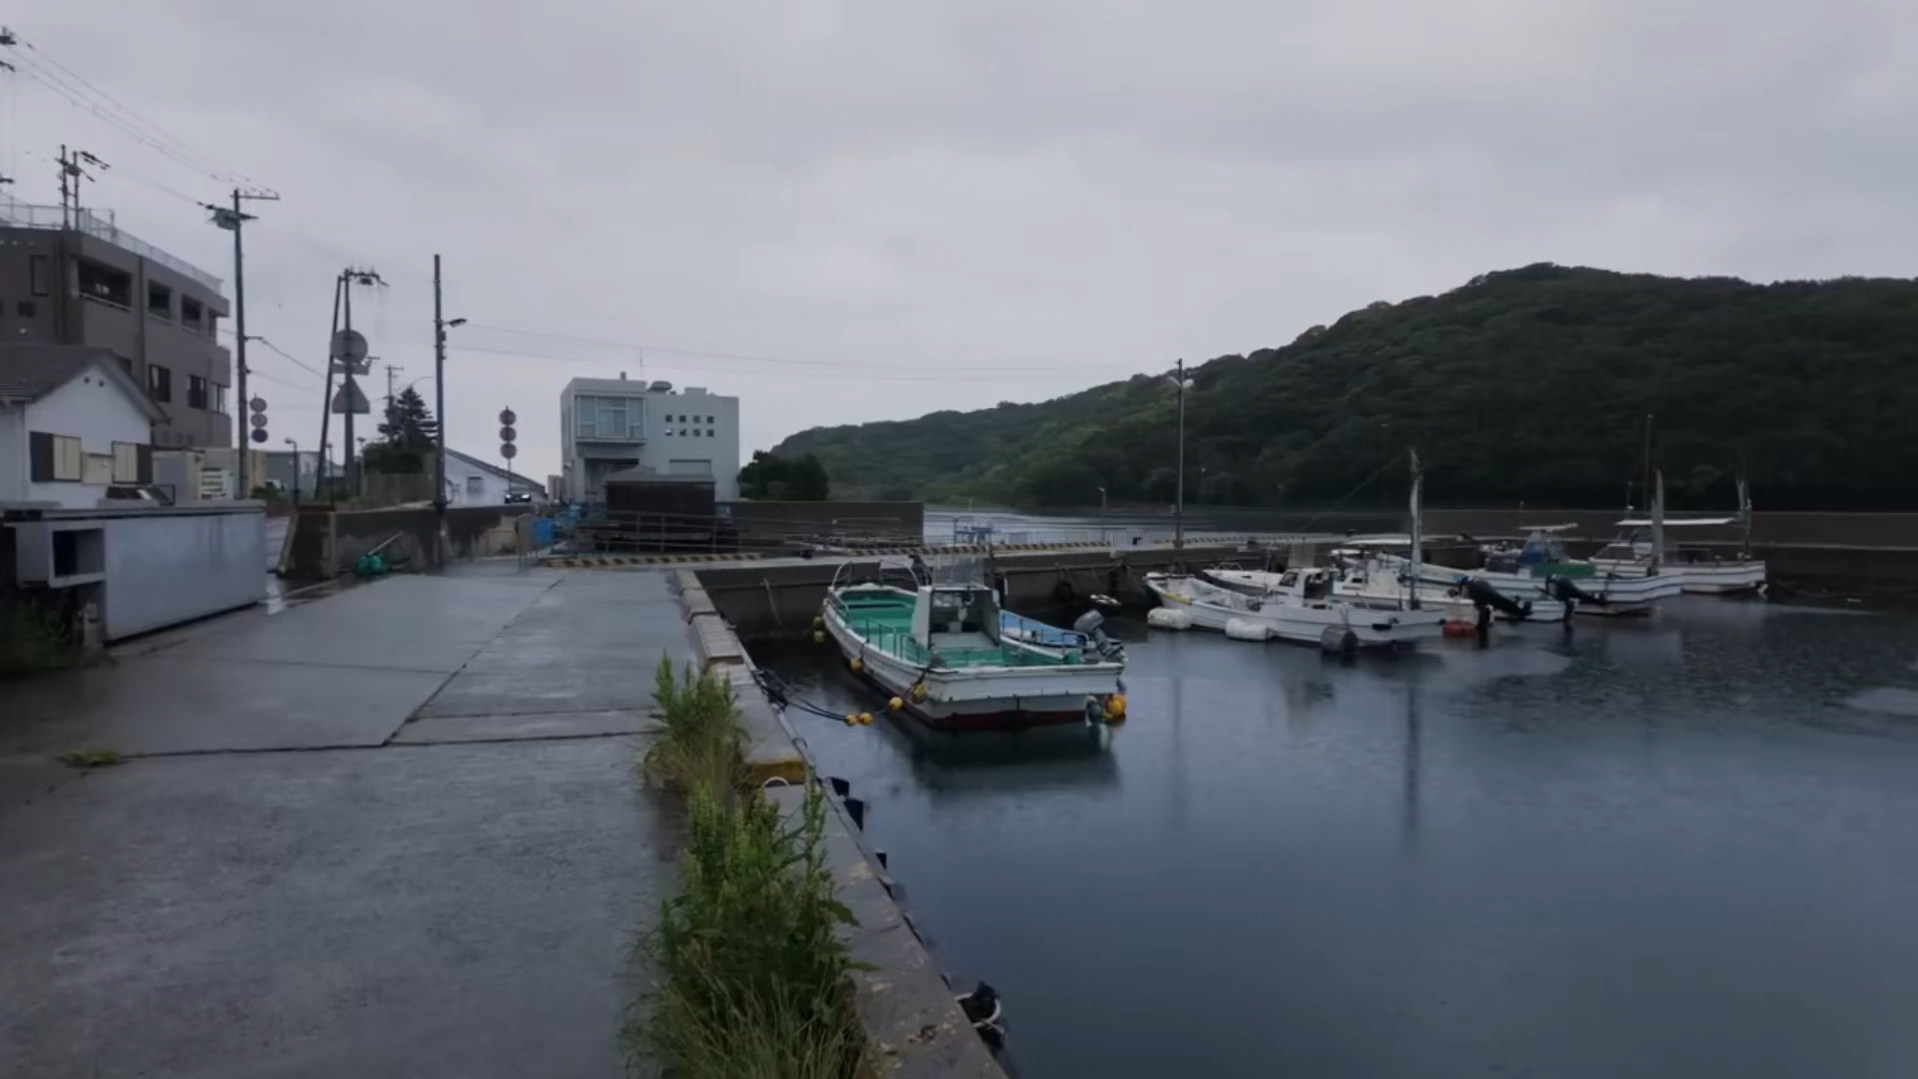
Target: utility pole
[
  {"x": 234, "y": 219},
  {"x": 348, "y": 386},
  {"x": 1178, "y": 508},
  {"x": 348, "y": 466},
  {"x": 440, "y": 325},
  {"x": 73, "y": 169},
  {"x": 326, "y": 397},
  {"x": 390, "y": 369}
]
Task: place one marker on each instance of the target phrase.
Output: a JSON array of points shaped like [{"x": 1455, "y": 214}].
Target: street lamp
[
  {"x": 296, "y": 471},
  {"x": 1102, "y": 515},
  {"x": 1178, "y": 507},
  {"x": 441, "y": 324}
]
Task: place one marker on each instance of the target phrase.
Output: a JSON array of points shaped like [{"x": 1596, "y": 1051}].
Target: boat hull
[
  {"x": 1303, "y": 624},
  {"x": 966, "y": 699},
  {"x": 1618, "y": 594},
  {"x": 1723, "y": 578}
]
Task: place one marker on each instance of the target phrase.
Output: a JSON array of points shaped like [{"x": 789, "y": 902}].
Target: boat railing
[{"x": 889, "y": 637}]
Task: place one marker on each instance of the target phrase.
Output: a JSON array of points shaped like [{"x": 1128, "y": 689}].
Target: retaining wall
[
  {"x": 912, "y": 1022},
  {"x": 325, "y": 543}
]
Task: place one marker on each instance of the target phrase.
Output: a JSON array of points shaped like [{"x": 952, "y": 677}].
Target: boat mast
[
  {"x": 1744, "y": 518},
  {"x": 1414, "y": 568},
  {"x": 1178, "y": 507},
  {"x": 1658, "y": 520}
]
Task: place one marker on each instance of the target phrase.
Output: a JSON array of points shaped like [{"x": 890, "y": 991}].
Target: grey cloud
[{"x": 928, "y": 187}]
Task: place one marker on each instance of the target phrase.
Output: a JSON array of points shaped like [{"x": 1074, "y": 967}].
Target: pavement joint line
[
  {"x": 252, "y": 661},
  {"x": 352, "y": 747},
  {"x": 416, "y": 717}
]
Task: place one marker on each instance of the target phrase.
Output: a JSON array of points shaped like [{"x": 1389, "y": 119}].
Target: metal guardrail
[{"x": 22, "y": 215}]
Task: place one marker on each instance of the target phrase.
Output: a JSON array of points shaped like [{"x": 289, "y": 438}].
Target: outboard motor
[
  {"x": 1092, "y": 624},
  {"x": 1482, "y": 593},
  {"x": 1565, "y": 591}
]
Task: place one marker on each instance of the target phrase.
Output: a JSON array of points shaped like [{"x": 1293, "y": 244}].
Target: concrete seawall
[{"x": 912, "y": 1022}]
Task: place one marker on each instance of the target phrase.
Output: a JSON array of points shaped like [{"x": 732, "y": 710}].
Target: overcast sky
[{"x": 945, "y": 205}]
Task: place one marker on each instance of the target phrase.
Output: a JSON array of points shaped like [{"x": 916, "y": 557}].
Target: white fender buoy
[
  {"x": 1168, "y": 618},
  {"x": 1245, "y": 629}
]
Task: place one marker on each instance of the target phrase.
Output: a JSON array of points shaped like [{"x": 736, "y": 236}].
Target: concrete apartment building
[
  {"x": 90, "y": 283},
  {"x": 608, "y": 425}
]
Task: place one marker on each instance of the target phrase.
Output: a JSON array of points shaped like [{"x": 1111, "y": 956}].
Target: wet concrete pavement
[{"x": 391, "y": 832}]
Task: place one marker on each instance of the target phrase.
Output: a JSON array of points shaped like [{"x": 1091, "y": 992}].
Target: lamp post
[
  {"x": 440, "y": 325},
  {"x": 1102, "y": 515},
  {"x": 1178, "y": 507},
  {"x": 296, "y": 470}
]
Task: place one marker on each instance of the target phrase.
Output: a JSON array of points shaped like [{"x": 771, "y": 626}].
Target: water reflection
[{"x": 1552, "y": 856}]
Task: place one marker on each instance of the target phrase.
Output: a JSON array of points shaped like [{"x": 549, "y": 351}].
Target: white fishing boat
[
  {"x": 1368, "y": 572},
  {"x": 946, "y": 654},
  {"x": 1712, "y": 570},
  {"x": 1540, "y": 567},
  {"x": 1300, "y": 606},
  {"x": 1304, "y": 605}
]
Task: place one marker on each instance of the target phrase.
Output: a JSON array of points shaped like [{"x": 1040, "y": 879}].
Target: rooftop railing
[{"x": 101, "y": 227}]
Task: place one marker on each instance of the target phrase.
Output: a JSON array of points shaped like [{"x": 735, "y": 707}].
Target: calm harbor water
[{"x": 1685, "y": 846}]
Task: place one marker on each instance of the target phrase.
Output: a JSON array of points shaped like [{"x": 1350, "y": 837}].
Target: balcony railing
[{"x": 21, "y": 215}]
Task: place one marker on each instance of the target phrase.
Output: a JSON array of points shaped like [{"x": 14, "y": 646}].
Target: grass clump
[
  {"x": 33, "y": 640},
  {"x": 702, "y": 741},
  {"x": 751, "y": 973},
  {"x": 92, "y": 757}
]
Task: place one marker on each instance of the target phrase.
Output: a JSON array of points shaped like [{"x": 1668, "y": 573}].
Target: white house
[
  {"x": 609, "y": 425},
  {"x": 473, "y": 482},
  {"x": 72, "y": 424}
]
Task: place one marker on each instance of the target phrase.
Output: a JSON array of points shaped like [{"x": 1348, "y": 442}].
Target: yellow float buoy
[
  {"x": 856, "y": 664},
  {"x": 895, "y": 704},
  {"x": 819, "y": 621},
  {"x": 852, "y": 719},
  {"x": 865, "y": 717},
  {"x": 819, "y": 636},
  {"x": 1115, "y": 707},
  {"x": 918, "y": 693}
]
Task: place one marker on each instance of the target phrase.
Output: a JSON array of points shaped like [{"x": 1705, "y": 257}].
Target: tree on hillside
[
  {"x": 768, "y": 477},
  {"x": 1527, "y": 385},
  {"x": 407, "y": 436}
]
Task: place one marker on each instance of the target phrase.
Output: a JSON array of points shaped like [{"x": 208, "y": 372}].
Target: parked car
[{"x": 130, "y": 493}]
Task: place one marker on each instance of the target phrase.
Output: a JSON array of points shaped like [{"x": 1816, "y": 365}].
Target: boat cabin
[{"x": 962, "y": 616}]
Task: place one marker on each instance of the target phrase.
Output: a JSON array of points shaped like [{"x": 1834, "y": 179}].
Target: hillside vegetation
[{"x": 1523, "y": 385}]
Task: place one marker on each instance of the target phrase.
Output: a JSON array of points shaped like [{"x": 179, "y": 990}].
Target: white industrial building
[{"x": 608, "y": 425}]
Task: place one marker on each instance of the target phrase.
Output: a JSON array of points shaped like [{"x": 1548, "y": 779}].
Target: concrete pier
[{"x": 392, "y": 832}]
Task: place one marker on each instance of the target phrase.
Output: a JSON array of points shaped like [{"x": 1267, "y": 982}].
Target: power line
[
  {"x": 125, "y": 118},
  {"x": 871, "y": 374},
  {"x": 633, "y": 346},
  {"x": 309, "y": 368}
]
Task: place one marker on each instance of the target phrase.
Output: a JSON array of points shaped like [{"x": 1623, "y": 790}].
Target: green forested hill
[{"x": 1523, "y": 385}]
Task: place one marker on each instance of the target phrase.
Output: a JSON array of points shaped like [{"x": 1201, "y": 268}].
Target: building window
[
  {"x": 38, "y": 275},
  {"x": 610, "y": 418},
  {"x": 54, "y": 458},
  {"x": 159, "y": 301},
  {"x": 159, "y": 383},
  {"x": 28, "y": 308},
  {"x": 190, "y": 313},
  {"x": 196, "y": 392},
  {"x": 126, "y": 462},
  {"x": 709, "y": 419},
  {"x": 126, "y": 364},
  {"x": 476, "y": 485},
  {"x": 219, "y": 398},
  {"x": 104, "y": 284}
]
